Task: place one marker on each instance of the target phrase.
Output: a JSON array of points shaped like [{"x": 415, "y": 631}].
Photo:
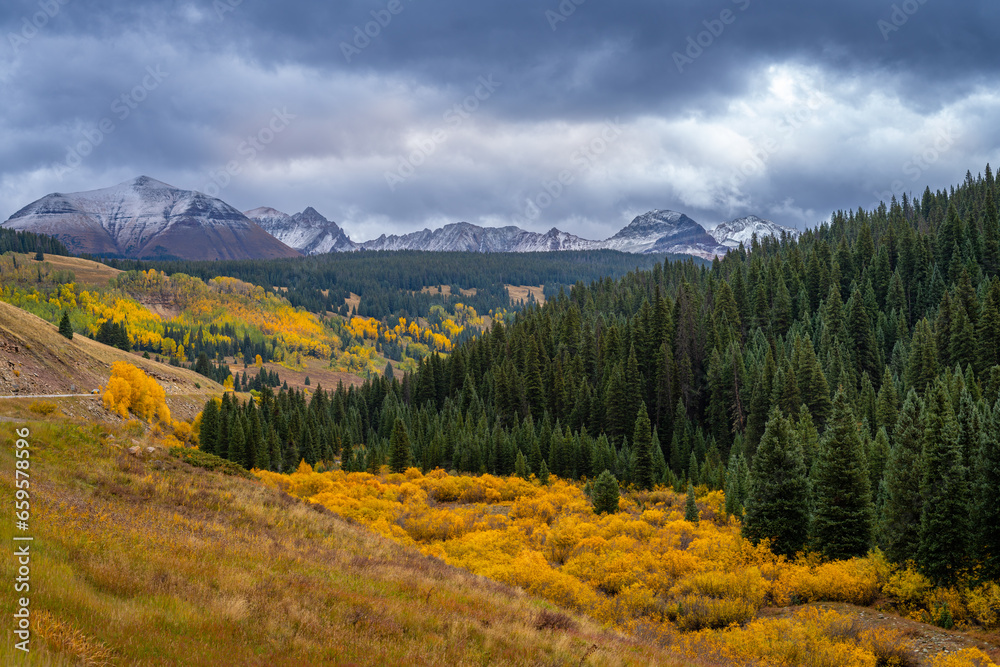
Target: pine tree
[
  {"x": 65, "y": 328},
  {"x": 399, "y": 447},
  {"x": 843, "y": 521},
  {"x": 543, "y": 473},
  {"x": 521, "y": 466},
  {"x": 777, "y": 503},
  {"x": 643, "y": 446},
  {"x": 237, "y": 441},
  {"x": 944, "y": 529},
  {"x": 691, "y": 513},
  {"x": 987, "y": 509},
  {"x": 208, "y": 431},
  {"x": 605, "y": 494},
  {"x": 878, "y": 457}
]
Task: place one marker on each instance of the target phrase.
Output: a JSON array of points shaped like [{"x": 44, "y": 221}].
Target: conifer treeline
[
  {"x": 843, "y": 388},
  {"x": 17, "y": 241},
  {"x": 390, "y": 283}
]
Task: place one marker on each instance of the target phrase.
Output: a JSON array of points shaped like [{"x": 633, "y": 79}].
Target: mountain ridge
[
  {"x": 307, "y": 231},
  {"x": 144, "y": 218},
  {"x": 741, "y": 230},
  {"x": 147, "y": 219}
]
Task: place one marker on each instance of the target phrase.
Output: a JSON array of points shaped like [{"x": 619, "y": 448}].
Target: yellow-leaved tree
[{"x": 131, "y": 390}]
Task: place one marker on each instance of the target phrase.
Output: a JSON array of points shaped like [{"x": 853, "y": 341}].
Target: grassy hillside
[
  {"x": 153, "y": 561},
  {"x": 37, "y": 360}
]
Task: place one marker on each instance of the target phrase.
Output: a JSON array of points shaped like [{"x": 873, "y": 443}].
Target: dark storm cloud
[{"x": 704, "y": 93}]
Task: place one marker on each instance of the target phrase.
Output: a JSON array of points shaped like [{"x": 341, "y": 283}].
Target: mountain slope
[
  {"x": 144, "y": 219},
  {"x": 37, "y": 360},
  {"x": 653, "y": 232},
  {"x": 665, "y": 232},
  {"x": 741, "y": 230},
  {"x": 308, "y": 232},
  {"x": 149, "y": 561},
  {"x": 465, "y": 237}
]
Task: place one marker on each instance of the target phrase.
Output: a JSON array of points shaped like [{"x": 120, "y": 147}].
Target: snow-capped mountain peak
[
  {"x": 308, "y": 232},
  {"x": 664, "y": 231},
  {"x": 741, "y": 230},
  {"x": 147, "y": 218}
]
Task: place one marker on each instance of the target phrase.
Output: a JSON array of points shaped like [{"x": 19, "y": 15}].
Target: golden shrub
[
  {"x": 130, "y": 390},
  {"x": 984, "y": 604},
  {"x": 42, "y": 407},
  {"x": 967, "y": 657},
  {"x": 909, "y": 588}
]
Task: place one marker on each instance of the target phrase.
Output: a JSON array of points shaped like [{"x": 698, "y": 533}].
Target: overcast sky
[{"x": 393, "y": 115}]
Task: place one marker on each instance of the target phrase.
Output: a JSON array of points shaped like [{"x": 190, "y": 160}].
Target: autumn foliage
[
  {"x": 130, "y": 390},
  {"x": 643, "y": 568}
]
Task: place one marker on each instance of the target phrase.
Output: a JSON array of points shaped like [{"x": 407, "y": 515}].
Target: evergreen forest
[{"x": 842, "y": 389}]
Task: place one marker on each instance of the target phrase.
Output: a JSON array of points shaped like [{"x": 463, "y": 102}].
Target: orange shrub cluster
[
  {"x": 131, "y": 390},
  {"x": 644, "y": 567}
]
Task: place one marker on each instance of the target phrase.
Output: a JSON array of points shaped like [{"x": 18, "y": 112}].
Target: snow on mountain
[
  {"x": 667, "y": 232},
  {"x": 656, "y": 231},
  {"x": 741, "y": 230},
  {"x": 145, "y": 218},
  {"x": 466, "y": 237},
  {"x": 308, "y": 232}
]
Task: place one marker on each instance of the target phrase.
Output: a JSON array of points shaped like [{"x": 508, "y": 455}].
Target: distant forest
[
  {"x": 389, "y": 283},
  {"x": 15, "y": 241},
  {"x": 842, "y": 388}
]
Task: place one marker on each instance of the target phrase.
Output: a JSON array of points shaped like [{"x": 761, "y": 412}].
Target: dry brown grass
[
  {"x": 353, "y": 301},
  {"x": 446, "y": 290},
  {"x": 520, "y": 293},
  {"x": 155, "y": 562},
  {"x": 317, "y": 370},
  {"x": 50, "y": 364},
  {"x": 85, "y": 271}
]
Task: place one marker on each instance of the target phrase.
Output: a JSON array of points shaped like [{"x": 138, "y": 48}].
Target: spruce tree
[
  {"x": 399, "y": 447},
  {"x": 737, "y": 483},
  {"x": 237, "y": 441},
  {"x": 944, "y": 528},
  {"x": 643, "y": 446},
  {"x": 843, "y": 522},
  {"x": 987, "y": 509},
  {"x": 605, "y": 493},
  {"x": 65, "y": 328},
  {"x": 543, "y": 473},
  {"x": 521, "y": 466},
  {"x": 878, "y": 457},
  {"x": 691, "y": 513},
  {"x": 777, "y": 503},
  {"x": 208, "y": 431}
]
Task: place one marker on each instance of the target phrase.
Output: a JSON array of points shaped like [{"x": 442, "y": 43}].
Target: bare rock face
[
  {"x": 308, "y": 232},
  {"x": 466, "y": 237},
  {"x": 146, "y": 219},
  {"x": 665, "y": 232},
  {"x": 742, "y": 230},
  {"x": 653, "y": 232}
]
